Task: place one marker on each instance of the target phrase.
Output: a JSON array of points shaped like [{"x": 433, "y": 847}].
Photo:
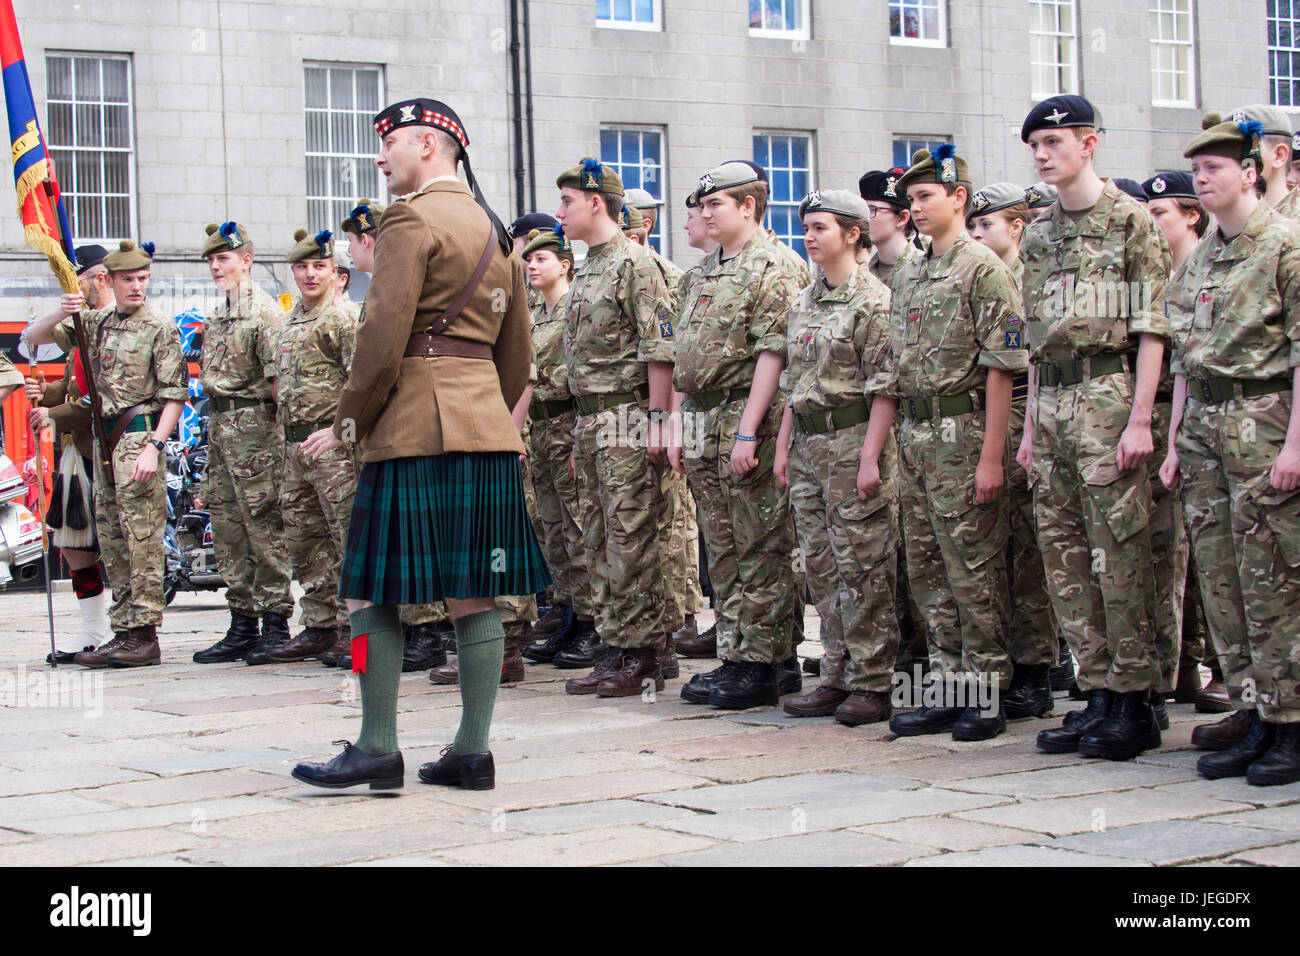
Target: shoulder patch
[
  {"x": 665, "y": 325},
  {"x": 1013, "y": 338}
]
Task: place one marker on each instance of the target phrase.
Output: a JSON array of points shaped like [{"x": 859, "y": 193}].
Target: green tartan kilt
[{"x": 441, "y": 526}]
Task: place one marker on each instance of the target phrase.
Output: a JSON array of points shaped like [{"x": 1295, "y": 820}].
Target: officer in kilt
[{"x": 442, "y": 357}]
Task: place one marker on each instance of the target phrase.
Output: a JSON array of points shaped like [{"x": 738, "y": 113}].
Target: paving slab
[
  {"x": 1168, "y": 843},
  {"x": 950, "y": 833},
  {"x": 1287, "y": 854},
  {"x": 600, "y": 847},
  {"x": 780, "y": 792},
  {"x": 1062, "y": 816},
  {"x": 1023, "y": 856},
  {"x": 814, "y": 849},
  {"x": 584, "y": 816},
  {"x": 1094, "y": 776}
]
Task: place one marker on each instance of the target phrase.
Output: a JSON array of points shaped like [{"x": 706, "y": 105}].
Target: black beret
[
  {"x": 882, "y": 186},
  {"x": 88, "y": 257},
  {"x": 1175, "y": 185},
  {"x": 1130, "y": 186},
  {"x": 1058, "y": 112},
  {"x": 421, "y": 112},
  {"x": 530, "y": 221}
]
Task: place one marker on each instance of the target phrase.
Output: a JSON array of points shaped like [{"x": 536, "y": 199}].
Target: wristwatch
[
  {"x": 157, "y": 444},
  {"x": 659, "y": 416}
]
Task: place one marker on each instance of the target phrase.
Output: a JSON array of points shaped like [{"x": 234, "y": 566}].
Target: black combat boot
[
  {"x": 586, "y": 649},
  {"x": 421, "y": 648},
  {"x": 275, "y": 633},
  {"x": 1030, "y": 693},
  {"x": 1282, "y": 762},
  {"x": 241, "y": 638},
  {"x": 1077, "y": 724},
  {"x": 1128, "y": 729},
  {"x": 1236, "y": 760}
]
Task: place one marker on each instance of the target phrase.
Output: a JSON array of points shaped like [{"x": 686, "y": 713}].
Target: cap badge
[
  {"x": 890, "y": 183},
  {"x": 815, "y": 198},
  {"x": 949, "y": 171},
  {"x": 980, "y": 201},
  {"x": 706, "y": 182},
  {"x": 408, "y": 113},
  {"x": 1056, "y": 116},
  {"x": 591, "y": 183},
  {"x": 1240, "y": 116},
  {"x": 1158, "y": 186}
]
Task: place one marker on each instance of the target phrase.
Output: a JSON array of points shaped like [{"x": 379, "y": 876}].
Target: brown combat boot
[
  {"x": 1213, "y": 697},
  {"x": 140, "y": 649},
  {"x": 342, "y": 645},
  {"x": 1225, "y": 733},
  {"x": 546, "y": 625},
  {"x": 821, "y": 701},
  {"x": 99, "y": 656},
  {"x": 607, "y": 666},
  {"x": 668, "y": 664},
  {"x": 640, "y": 666},
  {"x": 310, "y": 642},
  {"x": 1188, "y": 684},
  {"x": 701, "y": 646},
  {"x": 688, "y": 631},
  {"x": 864, "y": 707},
  {"x": 512, "y": 663}
]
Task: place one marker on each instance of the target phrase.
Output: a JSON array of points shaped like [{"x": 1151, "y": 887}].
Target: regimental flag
[{"x": 45, "y": 223}]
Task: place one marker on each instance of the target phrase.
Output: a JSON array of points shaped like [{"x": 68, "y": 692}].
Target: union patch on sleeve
[{"x": 1013, "y": 338}]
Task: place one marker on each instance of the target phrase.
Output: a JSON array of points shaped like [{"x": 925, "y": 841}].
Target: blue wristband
[{"x": 740, "y": 437}]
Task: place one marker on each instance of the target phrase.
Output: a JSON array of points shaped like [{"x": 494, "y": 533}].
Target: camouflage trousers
[
  {"x": 956, "y": 549},
  {"x": 316, "y": 503},
  {"x": 557, "y": 506},
  {"x": 1092, "y": 528},
  {"x": 911, "y": 622},
  {"x": 681, "y": 552},
  {"x": 1032, "y": 639},
  {"x": 1246, "y": 543},
  {"x": 242, "y": 491},
  {"x": 620, "y": 502},
  {"x": 1194, "y": 632},
  {"x": 1169, "y": 550},
  {"x": 746, "y": 522},
  {"x": 850, "y": 551},
  {"x": 130, "y": 520}
]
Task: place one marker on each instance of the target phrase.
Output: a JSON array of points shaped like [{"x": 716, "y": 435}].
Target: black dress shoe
[
  {"x": 241, "y": 637},
  {"x": 351, "y": 768},
  {"x": 65, "y": 657},
  {"x": 467, "y": 771},
  {"x": 749, "y": 684},
  {"x": 1065, "y": 739},
  {"x": 1128, "y": 729},
  {"x": 926, "y": 720},
  {"x": 275, "y": 633},
  {"x": 789, "y": 680},
  {"x": 561, "y": 639},
  {"x": 345, "y": 662},
  {"x": 421, "y": 648},
  {"x": 1282, "y": 762},
  {"x": 1236, "y": 760},
  {"x": 975, "y": 724},
  {"x": 585, "y": 650},
  {"x": 1030, "y": 693},
  {"x": 696, "y": 691}
]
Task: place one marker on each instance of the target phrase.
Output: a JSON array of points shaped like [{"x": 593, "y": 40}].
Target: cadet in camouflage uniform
[
  {"x": 313, "y": 358},
  {"x": 1275, "y": 154},
  {"x": 997, "y": 219},
  {"x": 519, "y": 230},
  {"x": 425, "y": 627},
  {"x": 730, "y": 350},
  {"x": 682, "y": 553},
  {"x": 242, "y": 483},
  {"x": 1235, "y": 308},
  {"x": 548, "y": 257},
  {"x": 956, "y": 329},
  {"x": 618, "y": 338},
  {"x": 891, "y": 249},
  {"x": 841, "y": 470},
  {"x": 136, "y": 361},
  {"x": 1094, "y": 283}
]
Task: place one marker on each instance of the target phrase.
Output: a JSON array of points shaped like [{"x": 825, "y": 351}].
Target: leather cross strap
[
  {"x": 471, "y": 287},
  {"x": 426, "y": 345}
]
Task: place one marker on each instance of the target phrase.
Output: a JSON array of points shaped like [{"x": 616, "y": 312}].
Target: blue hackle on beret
[
  {"x": 228, "y": 229},
  {"x": 148, "y": 248},
  {"x": 559, "y": 230},
  {"x": 943, "y": 151},
  {"x": 323, "y": 237},
  {"x": 1251, "y": 128},
  {"x": 592, "y": 168}
]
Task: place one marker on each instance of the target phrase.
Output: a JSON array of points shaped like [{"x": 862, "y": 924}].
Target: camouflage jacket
[
  {"x": 551, "y": 382},
  {"x": 618, "y": 317},
  {"x": 238, "y": 359},
  {"x": 733, "y": 311},
  {"x": 837, "y": 343},
  {"x": 1094, "y": 284},
  {"x": 136, "y": 359},
  {"x": 8, "y": 374},
  {"x": 315, "y": 356},
  {"x": 954, "y": 316},
  {"x": 1235, "y": 306},
  {"x": 886, "y": 274},
  {"x": 1289, "y": 205},
  {"x": 671, "y": 272}
]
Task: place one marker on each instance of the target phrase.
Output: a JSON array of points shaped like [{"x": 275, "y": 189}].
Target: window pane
[
  {"x": 761, "y": 153},
  {"x": 117, "y": 173},
  {"x": 89, "y": 178},
  {"x": 115, "y": 81},
  {"x": 780, "y": 151},
  {"x": 317, "y": 132},
  {"x": 798, "y": 151},
  {"x": 58, "y": 77},
  {"x": 368, "y": 90},
  {"x": 85, "y": 73},
  {"x": 645, "y": 12},
  {"x": 118, "y": 219},
  {"x": 88, "y": 126},
  {"x": 89, "y": 220},
  {"x": 117, "y": 129},
  {"x": 341, "y": 89},
  {"x": 602, "y": 10},
  {"x": 623, "y": 10},
  {"x": 60, "y": 123},
  {"x": 341, "y": 130},
  {"x": 631, "y": 152},
  {"x": 314, "y": 87}
]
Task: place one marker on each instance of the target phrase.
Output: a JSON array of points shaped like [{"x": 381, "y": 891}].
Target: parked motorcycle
[
  {"x": 189, "y": 558},
  {"x": 20, "y": 531}
]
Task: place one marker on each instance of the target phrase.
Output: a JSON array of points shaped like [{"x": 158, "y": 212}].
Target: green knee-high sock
[
  {"x": 480, "y": 648},
  {"x": 379, "y": 680}
]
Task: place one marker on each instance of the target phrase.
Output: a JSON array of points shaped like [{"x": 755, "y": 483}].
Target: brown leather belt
[{"x": 424, "y": 345}]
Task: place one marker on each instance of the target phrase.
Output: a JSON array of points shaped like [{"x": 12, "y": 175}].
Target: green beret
[
  {"x": 224, "y": 238},
  {"x": 1235, "y": 141},
  {"x": 591, "y": 176},
  {"x": 553, "y": 239},
  {"x": 839, "y": 202},
  {"x": 363, "y": 218},
  {"x": 1039, "y": 195},
  {"x": 128, "y": 258},
  {"x": 1272, "y": 118},
  {"x": 996, "y": 197},
  {"x": 630, "y": 218},
  {"x": 727, "y": 176},
  {"x": 939, "y": 165},
  {"x": 319, "y": 246}
]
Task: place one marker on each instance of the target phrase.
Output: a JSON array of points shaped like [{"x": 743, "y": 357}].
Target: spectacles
[{"x": 876, "y": 210}]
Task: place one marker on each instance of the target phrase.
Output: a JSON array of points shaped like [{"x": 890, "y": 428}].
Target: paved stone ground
[{"x": 189, "y": 765}]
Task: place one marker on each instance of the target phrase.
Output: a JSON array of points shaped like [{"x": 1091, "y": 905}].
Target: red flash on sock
[{"x": 359, "y": 653}]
